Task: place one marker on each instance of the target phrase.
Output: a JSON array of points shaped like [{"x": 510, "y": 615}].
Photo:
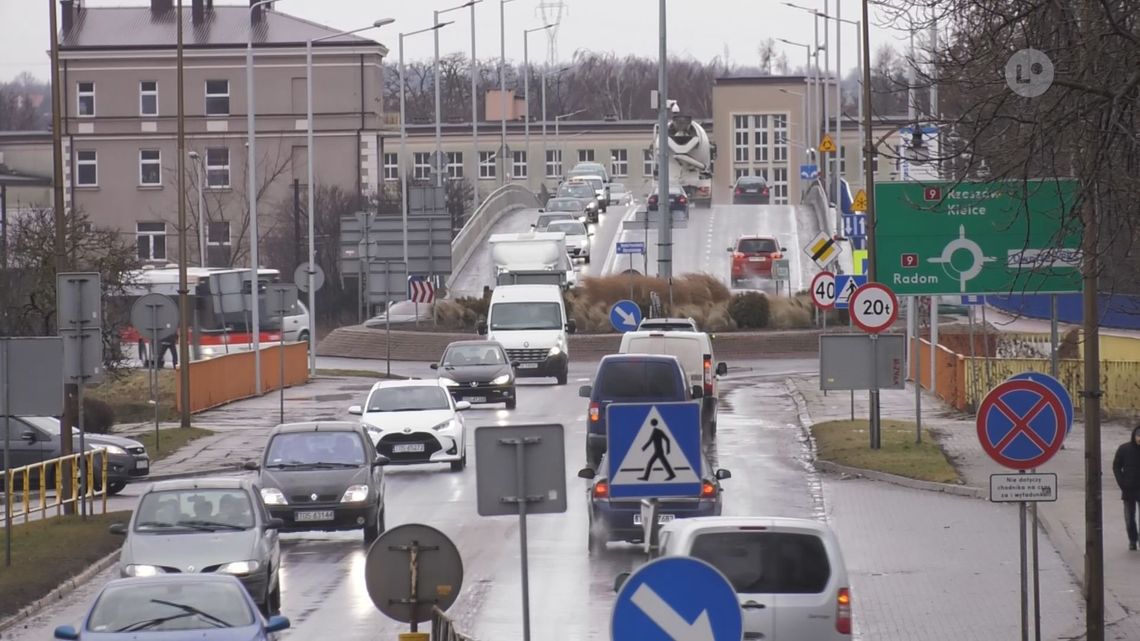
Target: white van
[
  {"x": 695, "y": 351},
  {"x": 788, "y": 573},
  {"x": 530, "y": 322}
]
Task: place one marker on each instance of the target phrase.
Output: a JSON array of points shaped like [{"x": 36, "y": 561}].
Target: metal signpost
[
  {"x": 79, "y": 305},
  {"x": 625, "y": 316},
  {"x": 301, "y": 277},
  {"x": 654, "y": 449},
  {"x": 630, "y": 249},
  {"x": 782, "y": 273},
  {"x": 411, "y": 569},
  {"x": 522, "y": 469},
  {"x": 874, "y": 308},
  {"x": 677, "y": 599},
  {"x": 282, "y": 299},
  {"x": 156, "y": 317}
]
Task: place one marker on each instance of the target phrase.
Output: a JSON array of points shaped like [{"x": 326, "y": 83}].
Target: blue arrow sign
[
  {"x": 809, "y": 172},
  {"x": 1054, "y": 386},
  {"x": 654, "y": 449},
  {"x": 635, "y": 247},
  {"x": 677, "y": 597},
  {"x": 625, "y": 316},
  {"x": 855, "y": 225},
  {"x": 845, "y": 286}
]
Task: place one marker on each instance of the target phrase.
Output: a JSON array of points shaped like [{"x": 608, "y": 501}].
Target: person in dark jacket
[{"x": 1126, "y": 469}]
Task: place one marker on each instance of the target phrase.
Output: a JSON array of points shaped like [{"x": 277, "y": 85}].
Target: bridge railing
[
  {"x": 443, "y": 628},
  {"x": 504, "y": 199}
]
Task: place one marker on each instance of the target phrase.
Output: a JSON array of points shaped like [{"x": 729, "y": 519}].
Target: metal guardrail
[
  {"x": 20, "y": 499},
  {"x": 504, "y": 199},
  {"x": 443, "y": 628}
]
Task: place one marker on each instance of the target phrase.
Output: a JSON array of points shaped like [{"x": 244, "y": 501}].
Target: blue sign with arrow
[
  {"x": 625, "y": 316},
  {"x": 677, "y": 598},
  {"x": 634, "y": 247},
  {"x": 809, "y": 172},
  {"x": 654, "y": 449}
]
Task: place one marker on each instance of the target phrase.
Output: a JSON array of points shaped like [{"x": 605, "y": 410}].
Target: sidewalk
[{"x": 1062, "y": 521}]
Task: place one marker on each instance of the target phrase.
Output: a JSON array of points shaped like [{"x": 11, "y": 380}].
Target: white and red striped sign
[{"x": 420, "y": 291}]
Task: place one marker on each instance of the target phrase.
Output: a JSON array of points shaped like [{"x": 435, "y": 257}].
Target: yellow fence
[
  {"x": 26, "y": 489},
  {"x": 1120, "y": 380}
]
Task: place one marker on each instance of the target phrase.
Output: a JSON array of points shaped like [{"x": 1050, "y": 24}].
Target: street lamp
[
  {"x": 557, "y": 136},
  {"x": 544, "y": 151},
  {"x": 810, "y": 79},
  {"x": 201, "y": 211},
  {"x": 825, "y": 82},
  {"x": 436, "y": 82},
  {"x": 404, "y": 135},
  {"x": 526, "y": 94},
  {"x": 312, "y": 269},
  {"x": 503, "y": 83}
]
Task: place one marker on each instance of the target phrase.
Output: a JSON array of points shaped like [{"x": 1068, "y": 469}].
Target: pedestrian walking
[{"x": 1126, "y": 469}]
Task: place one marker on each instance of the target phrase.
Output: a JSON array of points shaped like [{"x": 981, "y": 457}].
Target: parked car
[
  {"x": 577, "y": 237},
  {"x": 631, "y": 378},
  {"x": 323, "y": 476},
  {"x": 750, "y": 189},
  {"x": 668, "y": 325},
  {"x": 415, "y": 421},
  {"x": 695, "y": 351},
  {"x": 35, "y": 439},
  {"x": 174, "y": 607},
  {"x": 205, "y": 526},
  {"x": 585, "y": 210},
  {"x": 788, "y": 573},
  {"x": 544, "y": 219},
  {"x": 752, "y": 257},
  {"x": 477, "y": 372},
  {"x": 612, "y": 519},
  {"x": 678, "y": 202}
]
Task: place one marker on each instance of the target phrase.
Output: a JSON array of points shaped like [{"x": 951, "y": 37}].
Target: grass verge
[
  {"x": 846, "y": 443},
  {"x": 172, "y": 440},
  {"x": 129, "y": 395},
  {"x": 48, "y": 552}
]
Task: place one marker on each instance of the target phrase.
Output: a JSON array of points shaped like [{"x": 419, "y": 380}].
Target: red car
[{"x": 752, "y": 257}]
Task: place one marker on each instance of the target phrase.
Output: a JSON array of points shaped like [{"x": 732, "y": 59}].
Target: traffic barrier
[
  {"x": 443, "y": 628},
  {"x": 222, "y": 379},
  {"x": 19, "y": 500},
  {"x": 504, "y": 199},
  {"x": 950, "y": 374}
]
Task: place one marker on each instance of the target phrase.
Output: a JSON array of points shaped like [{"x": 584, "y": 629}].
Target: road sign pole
[
  {"x": 876, "y": 436},
  {"x": 388, "y": 316},
  {"x": 631, "y": 276},
  {"x": 917, "y": 369},
  {"x": 1024, "y": 572},
  {"x": 281, "y": 355},
  {"x": 6, "y": 343},
  {"x": 154, "y": 375}
]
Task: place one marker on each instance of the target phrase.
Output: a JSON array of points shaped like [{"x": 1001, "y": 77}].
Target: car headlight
[
  {"x": 447, "y": 381},
  {"x": 448, "y": 424},
  {"x": 143, "y": 570},
  {"x": 273, "y": 496},
  {"x": 555, "y": 351},
  {"x": 113, "y": 449},
  {"x": 240, "y": 567},
  {"x": 501, "y": 380},
  {"x": 583, "y": 243},
  {"x": 355, "y": 494}
]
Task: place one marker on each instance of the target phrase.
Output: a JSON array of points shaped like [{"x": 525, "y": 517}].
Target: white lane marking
[{"x": 667, "y": 618}]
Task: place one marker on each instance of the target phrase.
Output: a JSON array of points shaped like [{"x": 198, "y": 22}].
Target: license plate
[
  {"x": 313, "y": 515},
  {"x": 408, "y": 447},
  {"x": 752, "y": 191},
  {"x": 476, "y": 399},
  {"x": 528, "y": 365},
  {"x": 661, "y": 518},
  {"x": 142, "y": 464},
  {"x": 757, "y": 259}
]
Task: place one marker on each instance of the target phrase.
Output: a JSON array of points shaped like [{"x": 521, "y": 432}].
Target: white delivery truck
[
  {"x": 531, "y": 258},
  {"x": 530, "y": 322}
]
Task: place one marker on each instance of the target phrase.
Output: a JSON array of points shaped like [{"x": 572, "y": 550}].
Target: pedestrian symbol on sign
[
  {"x": 662, "y": 446},
  {"x": 659, "y": 454}
]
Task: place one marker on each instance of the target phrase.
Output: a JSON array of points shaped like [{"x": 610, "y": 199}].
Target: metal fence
[
  {"x": 443, "y": 628},
  {"x": 27, "y": 490}
]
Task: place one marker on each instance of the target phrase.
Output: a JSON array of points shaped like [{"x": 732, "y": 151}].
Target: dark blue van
[{"x": 631, "y": 378}]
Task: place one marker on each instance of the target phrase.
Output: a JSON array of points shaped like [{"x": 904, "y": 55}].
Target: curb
[{"x": 60, "y": 592}]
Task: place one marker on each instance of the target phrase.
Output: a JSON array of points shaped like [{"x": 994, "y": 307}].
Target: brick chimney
[{"x": 198, "y": 11}]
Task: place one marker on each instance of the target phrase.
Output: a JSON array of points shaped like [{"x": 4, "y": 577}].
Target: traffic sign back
[
  {"x": 1021, "y": 424},
  {"x": 654, "y": 449},
  {"x": 674, "y": 598}
]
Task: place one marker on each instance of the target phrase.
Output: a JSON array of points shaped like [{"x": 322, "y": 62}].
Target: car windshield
[
  {"x": 756, "y": 246},
  {"x": 568, "y": 227},
  {"x": 209, "y": 509},
  {"x": 462, "y": 355},
  {"x": 526, "y": 316},
  {"x": 577, "y": 191},
  {"x": 637, "y": 379},
  {"x": 753, "y": 181},
  {"x": 665, "y": 326},
  {"x": 564, "y": 204},
  {"x": 408, "y": 399},
  {"x": 767, "y": 562},
  {"x": 315, "y": 449},
  {"x": 545, "y": 221},
  {"x": 175, "y": 606},
  {"x": 617, "y": 188}
]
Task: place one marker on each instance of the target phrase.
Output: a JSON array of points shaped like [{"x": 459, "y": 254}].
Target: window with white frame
[
  {"x": 148, "y": 97},
  {"x": 585, "y": 155},
  {"x": 739, "y": 173},
  {"x": 150, "y": 167},
  {"x": 421, "y": 165},
  {"x": 740, "y": 131},
  {"x": 217, "y": 97},
  {"x": 218, "y": 233},
  {"x": 487, "y": 165},
  {"x": 391, "y": 167},
  {"x": 455, "y": 165},
  {"x": 519, "y": 164},
  {"x": 151, "y": 240},
  {"x": 760, "y": 138},
  {"x": 553, "y": 163},
  {"x": 619, "y": 162},
  {"x": 780, "y": 138},
  {"x": 86, "y": 168},
  {"x": 779, "y": 185},
  {"x": 85, "y": 98},
  {"x": 218, "y": 167},
  {"x": 647, "y": 162}
]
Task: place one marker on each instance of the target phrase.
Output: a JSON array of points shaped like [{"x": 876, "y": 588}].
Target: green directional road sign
[{"x": 977, "y": 238}]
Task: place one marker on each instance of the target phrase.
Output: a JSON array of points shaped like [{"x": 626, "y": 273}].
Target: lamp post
[
  {"x": 201, "y": 211},
  {"x": 474, "y": 112},
  {"x": 526, "y": 95},
  {"x": 546, "y": 75},
  {"x": 501, "y": 154},
  {"x": 558, "y": 139},
  {"x": 809, "y": 79},
  {"x": 435, "y": 79},
  {"x": 404, "y": 135},
  {"x": 311, "y": 181}
]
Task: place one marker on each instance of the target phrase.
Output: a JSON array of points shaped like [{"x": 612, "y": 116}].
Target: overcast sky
[{"x": 703, "y": 29}]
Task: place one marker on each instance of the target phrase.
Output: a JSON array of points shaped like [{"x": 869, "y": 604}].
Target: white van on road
[
  {"x": 531, "y": 324},
  {"x": 695, "y": 351}
]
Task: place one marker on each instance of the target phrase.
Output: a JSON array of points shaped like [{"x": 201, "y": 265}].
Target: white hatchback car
[
  {"x": 788, "y": 573},
  {"x": 415, "y": 421}
]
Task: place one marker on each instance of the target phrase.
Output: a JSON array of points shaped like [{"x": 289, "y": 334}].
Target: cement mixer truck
[{"x": 691, "y": 156}]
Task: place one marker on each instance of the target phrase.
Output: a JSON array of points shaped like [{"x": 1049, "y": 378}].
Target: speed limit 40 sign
[
  {"x": 874, "y": 307},
  {"x": 823, "y": 290}
]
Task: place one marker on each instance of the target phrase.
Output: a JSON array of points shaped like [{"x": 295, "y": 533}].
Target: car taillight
[
  {"x": 739, "y": 191},
  {"x": 708, "y": 375},
  {"x": 653, "y": 200},
  {"x": 765, "y": 191},
  {"x": 708, "y": 490},
  {"x": 843, "y": 611},
  {"x": 682, "y": 200},
  {"x": 738, "y": 254},
  {"x": 601, "y": 490},
  {"x": 776, "y": 255},
  {"x": 595, "y": 412}
]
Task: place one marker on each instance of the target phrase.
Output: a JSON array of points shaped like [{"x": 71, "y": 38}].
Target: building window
[
  {"x": 740, "y": 138},
  {"x": 150, "y": 167},
  {"x": 842, "y": 160},
  {"x": 85, "y": 97},
  {"x": 487, "y": 165},
  {"x": 148, "y": 98},
  {"x": 218, "y": 233},
  {"x": 519, "y": 165},
  {"x": 421, "y": 165},
  {"x": 151, "y": 239},
  {"x": 455, "y": 165},
  {"x": 647, "y": 162},
  {"x": 585, "y": 155},
  {"x": 780, "y": 138},
  {"x": 779, "y": 185},
  {"x": 217, "y": 97},
  {"x": 218, "y": 168},
  {"x": 86, "y": 169},
  {"x": 619, "y": 162},
  {"x": 760, "y": 138},
  {"x": 391, "y": 167},
  {"x": 553, "y": 163}
]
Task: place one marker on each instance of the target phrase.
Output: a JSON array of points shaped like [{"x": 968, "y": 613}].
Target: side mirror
[
  {"x": 723, "y": 474},
  {"x": 274, "y": 523},
  {"x": 586, "y": 391},
  {"x": 783, "y": 249},
  {"x": 434, "y": 366},
  {"x": 728, "y": 249},
  {"x": 542, "y": 210},
  {"x": 698, "y": 391},
  {"x": 28, "y": 436},
  {"x": 587, "y": 473},
  {"x": 620, "y": 580},
  {"x": 118, "y": 528},
  {"x": 571, "y": 326},
  {"x": 721, "y": 369},
  {"x": 276, "y": 623},
  {"x": 463, "y": 405},
  {"x": 380, "y": 461},
  {"x": 66, "y": 632},
  {"x": 481, "y": 328},
  {"x": 356, "y": 410}
]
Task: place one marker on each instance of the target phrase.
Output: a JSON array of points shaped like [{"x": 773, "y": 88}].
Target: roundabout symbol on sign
[
  {"x": 823, "y": 290},
  {"x": 874, "y": 307},
  {"x": 1021, "y": 424}
]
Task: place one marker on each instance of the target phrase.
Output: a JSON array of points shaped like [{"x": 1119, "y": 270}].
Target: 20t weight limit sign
[{"x": 874, "y": 307}]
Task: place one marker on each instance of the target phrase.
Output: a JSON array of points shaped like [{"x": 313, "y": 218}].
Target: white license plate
[
  {"x": 313, "y": 515},
  {"x": 142, "y": 464},
  {"x": 661, "y": 518},
  {"x": 528, "y": 365},
  {"x": 757, "y": 259},
  {"x": 476, "y": 399},
  {"x": 407, "y": 447}
]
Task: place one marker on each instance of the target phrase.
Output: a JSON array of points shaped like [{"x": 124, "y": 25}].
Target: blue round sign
[
  {"x": 677, "y": 597},
  {"x": 625, "y": 316},
  {"x": 1057, "y": 388}
]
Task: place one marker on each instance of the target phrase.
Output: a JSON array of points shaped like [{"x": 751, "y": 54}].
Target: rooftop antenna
[{"x": 551, "y": 12}]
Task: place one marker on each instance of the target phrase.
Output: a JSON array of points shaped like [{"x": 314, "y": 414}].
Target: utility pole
[
  {"x": 664, "y": 207},
  {"x": 183, "y": 246},
  {"x": 869, "y": 179}
]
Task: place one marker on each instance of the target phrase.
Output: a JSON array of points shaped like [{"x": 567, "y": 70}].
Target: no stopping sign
[{"x": 874, "y": 307}]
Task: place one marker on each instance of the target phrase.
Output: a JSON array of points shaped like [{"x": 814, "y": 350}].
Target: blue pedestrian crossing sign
[
  {"x": 845, "y": 286},
  {"x": 625, "y": 316},
  {"x": 677, "y": 598},
  {"x": 654, "y": 449}
]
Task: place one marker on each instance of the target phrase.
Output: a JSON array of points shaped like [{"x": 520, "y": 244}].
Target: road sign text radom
[{"x": 978, "y": 238}]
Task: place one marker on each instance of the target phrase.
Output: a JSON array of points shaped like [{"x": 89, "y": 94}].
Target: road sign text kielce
[{"x": 978, "y": 238}]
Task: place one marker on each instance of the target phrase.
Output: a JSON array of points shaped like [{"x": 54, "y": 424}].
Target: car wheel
[
  {"x": 511, "y": 403},
  {"x": 586, "y": 259},
  {"x": 563, "y": 377},
  {"x": 372, "y": 531},
  {"x": 114, "y": 487},
  {"x": 457, "y": 466},
  {"x": 303, "y": 337},
  {"x": 275, "y": 598}
]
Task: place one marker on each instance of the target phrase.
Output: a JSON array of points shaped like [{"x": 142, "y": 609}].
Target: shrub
[
  {"x": 710, "y": 318},
  {"x": 478, "y": 306},
  {"x": 98, "y": 416},
  {"x": 749, "y": 310},
  {"x": 791, "y": 313},
  {"x": 452, "y": 314}
]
